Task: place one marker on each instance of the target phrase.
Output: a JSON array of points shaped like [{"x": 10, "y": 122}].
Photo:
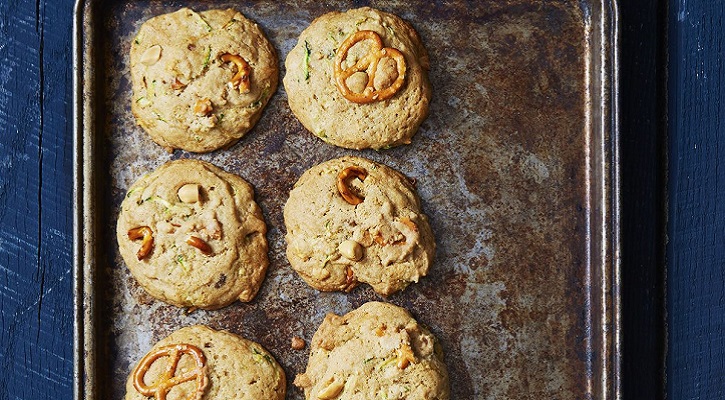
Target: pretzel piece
[
  {"x": 199, "y": 244},
  {"x": 168, "y": 379},
  {"x": 240, "y": 80},
  {"x": 369, "y": 65},
  {"x": 147, "y": 243},
  {"x": 343, "y": 182}
]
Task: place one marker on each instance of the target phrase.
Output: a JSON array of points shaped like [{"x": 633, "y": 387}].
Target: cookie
[
  {"x": 375, "y": 352},
  {"x": 359, "y": 79},
  {"x": 206, "y": 364},
  {"x": 201, "y": 80},
  {"x": 192, "y": 235},
  {"x": 351, "y": 220}
]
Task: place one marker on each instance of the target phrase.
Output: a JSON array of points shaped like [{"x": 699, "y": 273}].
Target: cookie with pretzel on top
[
  {"x": 359, "y": 79},
  {"x": 193, "y": 236},
  {"x": 350, "y": 221},
  {"x": 198, "y": 362},
  {"x": 200, "y": 80}
]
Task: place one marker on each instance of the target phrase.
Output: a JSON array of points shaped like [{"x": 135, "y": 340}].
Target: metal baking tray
[{"x": 517, "y": 168}]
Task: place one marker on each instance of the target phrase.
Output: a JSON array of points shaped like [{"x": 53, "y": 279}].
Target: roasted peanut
[
  {"x": 151, "y": 55},
  {"x": 297, "y": 343},
  {"x": 189, "y": 193},
  {"x": 332, "y": 389},
  {"x": 351, "y": 250}
]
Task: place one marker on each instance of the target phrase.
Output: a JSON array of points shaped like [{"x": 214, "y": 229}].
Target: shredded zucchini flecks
[{"x": 306, "y": 64}]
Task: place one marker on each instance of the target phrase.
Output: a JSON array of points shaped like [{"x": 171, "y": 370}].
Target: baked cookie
[
  {"x": 198, "y": 362},
  {"x": 351, "y": 220},
  {"x": 359, "y": 79},
  {"x": 375, "y": 352},
  {"x": 201, "y": 80},
  {"x": 192, "y": 235}
]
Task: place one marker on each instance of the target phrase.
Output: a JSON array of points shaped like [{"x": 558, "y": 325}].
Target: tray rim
[{"x": 608, "y": 298}]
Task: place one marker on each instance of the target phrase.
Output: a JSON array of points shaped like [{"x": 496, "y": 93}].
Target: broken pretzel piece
[
  {"x": 203, "y": 107},
  {"x": 145, "y": 233},
  {"x": 240, "y": 80},
  {"x": 405, "y": 356},
  {"x": 350, "y": 279},
  {"x": 199, "y": 244},
  {"x": 343, "y": 182},
  {"x": 176, "y": 84}
]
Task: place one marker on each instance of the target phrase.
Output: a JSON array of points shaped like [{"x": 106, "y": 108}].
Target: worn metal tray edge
[
  {"x": 606, "y": 331},
  {"x": 83, "y": 190}
]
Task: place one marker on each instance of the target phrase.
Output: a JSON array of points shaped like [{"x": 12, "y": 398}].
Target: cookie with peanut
[
  {"x": 201, "y": 80},
  {"x": 193, "y": 236},
  {"x": 378, "y": 351},
  {"x": 198, "y": 362},
  {"x": 350, "y": 221}
]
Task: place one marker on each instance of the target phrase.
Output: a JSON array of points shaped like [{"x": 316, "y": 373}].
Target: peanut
[
  {"x": 189, "y": 193},
  {"x": 151, "y": 55},
  {"x": 297, "y": 343},
  {"x": 332, "y": 390},
  {"x": 351, "y": 250}
]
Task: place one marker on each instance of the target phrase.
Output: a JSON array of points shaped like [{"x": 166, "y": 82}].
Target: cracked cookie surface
[
  {"x": 351, "y": 220},
  {"x": 310, "y": 80},
  {"x": 235, "y": 368},
  {"x": 207, "y": 243},
  {"x": 377, "y": 351},
  {"x": 200, "y": 80}
]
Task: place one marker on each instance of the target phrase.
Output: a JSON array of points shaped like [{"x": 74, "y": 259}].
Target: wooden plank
[
  {"x": 696, "y": 226},
  {"x": 36, "y": 310}
]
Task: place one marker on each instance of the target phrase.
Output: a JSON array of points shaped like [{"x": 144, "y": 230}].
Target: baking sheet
[{"x": 516, "y": 167}]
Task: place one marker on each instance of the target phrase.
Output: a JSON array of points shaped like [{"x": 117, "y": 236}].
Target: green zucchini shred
[{"x": 306, "y": 65}]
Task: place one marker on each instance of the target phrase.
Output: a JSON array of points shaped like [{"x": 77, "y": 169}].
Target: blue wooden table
[{"x": 673, "y": 199}]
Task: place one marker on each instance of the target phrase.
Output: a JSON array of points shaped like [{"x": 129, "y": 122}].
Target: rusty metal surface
[{"x": 514, "y": 166}]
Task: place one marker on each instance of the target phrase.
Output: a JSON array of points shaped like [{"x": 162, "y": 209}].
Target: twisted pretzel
[
  {"x": 167, "y": 380},
  {"x": 368, "y": 64}
]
